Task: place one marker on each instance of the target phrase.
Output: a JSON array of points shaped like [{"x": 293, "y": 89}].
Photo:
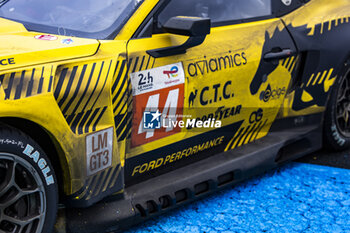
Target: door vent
[{"x": 182, "y": 196}]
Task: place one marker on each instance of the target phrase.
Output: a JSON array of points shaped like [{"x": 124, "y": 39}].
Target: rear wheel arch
[
  {"x": 47, "y": 142},
  {"x": 333, "y": 138}
]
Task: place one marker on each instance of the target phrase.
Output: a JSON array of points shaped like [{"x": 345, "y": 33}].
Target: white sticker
[
  {"x": 99, "y": 152},
  {"x": 158, "y": 78}
]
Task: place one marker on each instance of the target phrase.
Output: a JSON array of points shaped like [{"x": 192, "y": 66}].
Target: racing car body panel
[
  {"x": 251, "y": 80},
  {"x": 76, "y": 96},
  {"x": 8, "y": 26},
  {"x": 138, "y": 18},
  {"x": 316, "y": 33},
  {"x": 218, "y": 74},
  {"x": 22, "y": 48}
]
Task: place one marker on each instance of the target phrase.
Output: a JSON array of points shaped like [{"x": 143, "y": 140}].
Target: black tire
[
  {"x": 28, "y": 186},
  {"x": 336, "y": 129}
]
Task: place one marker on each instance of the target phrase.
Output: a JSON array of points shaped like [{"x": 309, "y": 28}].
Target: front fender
[{"x": 44, "y": 111}]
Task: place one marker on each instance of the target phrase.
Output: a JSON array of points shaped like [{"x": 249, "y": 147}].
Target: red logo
[
  {"x": 46, "y": 37},
  {"x": 172, "y": 72}
]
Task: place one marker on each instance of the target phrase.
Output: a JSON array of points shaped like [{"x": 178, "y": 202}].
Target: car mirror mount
[{"x": 195, "y": 27}]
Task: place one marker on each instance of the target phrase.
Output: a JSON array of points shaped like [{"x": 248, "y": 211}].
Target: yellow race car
[{"x": 120, "y": 110}]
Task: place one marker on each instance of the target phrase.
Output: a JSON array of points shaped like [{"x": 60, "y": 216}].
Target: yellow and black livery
[{"x": 266, "y": 77}]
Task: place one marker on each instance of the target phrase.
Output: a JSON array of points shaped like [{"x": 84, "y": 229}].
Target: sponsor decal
[
  {"x": 41, "y": 162},
  {"x": 157, "y": 79},
  {"x": 212, "y": 94},
  {"x": 192, "y": 97},
  {"x": 7, "y": 61},
  {"x": 99, "y": 152},
  {"x": 180, "y": 153},
  {"x": 211, "y": 65},
  {"x": 256, "y": 116},
  {"x": 172, "y": 72},
  {"x": 272, "y": 94},
  {"x": 46, "y": 37},
  {"x": 156, "y": 91},
  {"x": 177, "y": 156},
  {"x": 67, "y": 41}
]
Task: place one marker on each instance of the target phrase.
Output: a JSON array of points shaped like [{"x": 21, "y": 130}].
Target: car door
[{"x": 238, "y": 76}]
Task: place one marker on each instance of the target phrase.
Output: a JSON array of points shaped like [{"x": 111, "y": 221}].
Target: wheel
[
  {"x": 337, "y": 116},
  {"x": 28, "y": 186}
]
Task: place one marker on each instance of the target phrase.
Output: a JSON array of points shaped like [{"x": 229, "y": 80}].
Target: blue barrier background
[{"x": 294, "y": 198}]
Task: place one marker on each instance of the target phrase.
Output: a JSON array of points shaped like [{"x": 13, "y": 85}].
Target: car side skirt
[{"x": 168, "y": 191}]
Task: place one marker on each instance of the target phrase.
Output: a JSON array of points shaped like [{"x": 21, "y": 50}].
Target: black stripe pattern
[
  {"x": 291, "y": 63},
  {"x": 81, "y": 93},
  {"x": 245, "y": 135},
  {"x": 122, "y": 92},
  {"x": 27, "y": 83},
  {"x": 100, "y": 183}
]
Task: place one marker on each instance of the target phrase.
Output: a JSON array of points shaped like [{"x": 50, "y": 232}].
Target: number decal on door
[{"x": 158, "y": 95}]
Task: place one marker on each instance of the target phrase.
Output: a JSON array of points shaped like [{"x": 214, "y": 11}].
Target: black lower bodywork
[{"x": 289, "y": 139}]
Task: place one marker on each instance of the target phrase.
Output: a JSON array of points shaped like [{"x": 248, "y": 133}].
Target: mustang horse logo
[{"x": 280, "y": 39}]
